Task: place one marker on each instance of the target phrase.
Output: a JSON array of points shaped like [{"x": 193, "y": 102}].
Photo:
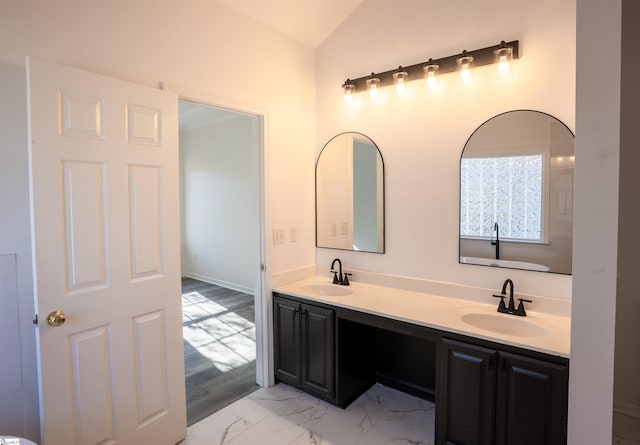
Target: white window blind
[{"x": 502, "y": 189}]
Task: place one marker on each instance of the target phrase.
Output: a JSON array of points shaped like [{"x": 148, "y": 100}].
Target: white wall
[
  {"x": 15, "y": 239},
  {"x": 200, "y": 49},
  {"x": 11, "y": 388},
  {"x": 219, "y": 189},
  {"x": 421, "y": 136},
  {"x": 595, "y": 241}
]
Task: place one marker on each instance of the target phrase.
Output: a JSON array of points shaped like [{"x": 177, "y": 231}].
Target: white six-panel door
[{"x": 104, "y": 188}]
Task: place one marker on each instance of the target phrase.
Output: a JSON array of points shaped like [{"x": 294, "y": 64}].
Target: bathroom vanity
[{"x": 493, "y": 380}]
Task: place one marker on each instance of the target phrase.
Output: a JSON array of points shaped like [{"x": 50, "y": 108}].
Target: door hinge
[
  {"x": 35, "y": 320},
  {"x": 263, "y": 267}
]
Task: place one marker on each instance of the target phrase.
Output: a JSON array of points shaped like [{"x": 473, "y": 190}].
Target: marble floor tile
[
  {"x": 216, "y": 429},
  {"x": 282, "y": 415}
]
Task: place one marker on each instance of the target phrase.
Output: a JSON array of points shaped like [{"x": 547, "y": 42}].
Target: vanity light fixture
[
  {"x": 372, "y": 85},
  {"x": 400, "y": 77},
  {"x": 431, "y": 74},
  {"x": 433, "y": 68},
  {"x": 503, "y": 57},
  {"x": 349, "y": 88},
  {"x": 465, "y": 63}
]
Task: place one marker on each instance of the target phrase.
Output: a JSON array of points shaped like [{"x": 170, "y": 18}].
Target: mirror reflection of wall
[
  {"x": 516, "y": 193},
  {"x": 350, "y": 194}
]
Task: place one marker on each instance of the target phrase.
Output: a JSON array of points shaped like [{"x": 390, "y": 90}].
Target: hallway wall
[{"x": 219, "y": 171}]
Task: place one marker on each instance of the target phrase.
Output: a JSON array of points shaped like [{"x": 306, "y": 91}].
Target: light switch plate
[{"x": 278, "y": 236}]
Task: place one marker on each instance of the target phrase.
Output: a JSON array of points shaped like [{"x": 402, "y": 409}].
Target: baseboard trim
[
  {"x": 228, "y": 285},
  {"x": 628, "y": 409}
]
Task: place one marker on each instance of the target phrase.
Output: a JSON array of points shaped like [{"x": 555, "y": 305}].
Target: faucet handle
[
  {"x": 335, "y": 277},
  {"x": 501, "y": 306},
  {"x": 520, "y": 311},
  {"x": 345, "y": 281}
]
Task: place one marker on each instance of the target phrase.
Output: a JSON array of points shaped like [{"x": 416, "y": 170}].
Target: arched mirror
[
  {"x": 350, "y": 194},
  {"x": 516, "y": 193}
]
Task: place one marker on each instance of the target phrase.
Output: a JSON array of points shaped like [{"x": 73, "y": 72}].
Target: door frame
[{"x": 262, "y": 302}]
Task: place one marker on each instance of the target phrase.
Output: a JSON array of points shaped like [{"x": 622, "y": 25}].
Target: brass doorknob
[{"x": 56, "y": 318}]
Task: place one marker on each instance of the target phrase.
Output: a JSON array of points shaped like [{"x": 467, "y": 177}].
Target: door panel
[
  {"x": 143, "y": 125},
  {"x": 145, "y": 196},
  {"x": 465, "y": 394},
  {"x": 287, "y": 340},
  {"x": 91, "y": 363},
  {"x": 151, "y": 367},
  {"x": 82, "y": 115},
  {"x": 317, "y": 350},
  {"x": 104, "y": 174},
  {"x": 84, "y": 221},
  {"x": 531, "y": 406}
]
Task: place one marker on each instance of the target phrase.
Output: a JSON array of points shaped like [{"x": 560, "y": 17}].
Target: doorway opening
[{"x": 220, "y": 254}]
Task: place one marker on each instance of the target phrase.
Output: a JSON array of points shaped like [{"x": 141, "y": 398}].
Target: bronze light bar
[{"x": 481, "y": 57}]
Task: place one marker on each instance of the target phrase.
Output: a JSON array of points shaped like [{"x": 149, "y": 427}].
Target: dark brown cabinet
[
  {"x": 488, "y": 396},
  {"x": 486, "y": 393},
  {"x": 465, "y": 394},
  {"x": 531, "y": 406},
  {"x": 304, "y": 346}
]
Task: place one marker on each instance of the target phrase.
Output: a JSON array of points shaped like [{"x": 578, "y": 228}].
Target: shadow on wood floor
[{"x": 219, "y": 347}]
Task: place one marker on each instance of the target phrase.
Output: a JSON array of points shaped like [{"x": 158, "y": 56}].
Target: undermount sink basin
[
  {"x": 333, "y": 290},
  {"x": 504, "y": 324}
]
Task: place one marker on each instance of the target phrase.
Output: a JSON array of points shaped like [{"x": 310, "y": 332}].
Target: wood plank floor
[{"x": 219, "y": 347}]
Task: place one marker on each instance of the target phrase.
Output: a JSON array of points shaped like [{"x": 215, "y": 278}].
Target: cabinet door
[
  {"x": 465, "y": 394},
  {"x": 531, "y": 406},
  {"x": 286, "y": 340},
  {"x": 317, "y": 350}
]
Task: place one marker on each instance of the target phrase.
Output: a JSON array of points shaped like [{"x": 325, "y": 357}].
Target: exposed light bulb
[
  {"x": 373, "y": 91},
  {"x": 465, "y": 74},
  {"x": 503, "y": 57},
  {"x": 431, "y": 74},
  {"x": 465, "y": 63},
  {"x": 349, "y": 89},
  {"x": 504, "y": 67},
  {"x": 372, "y": 84},
  {"x": 400, "y": 79}
]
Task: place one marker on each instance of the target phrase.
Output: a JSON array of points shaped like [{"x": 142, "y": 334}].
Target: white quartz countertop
[{"x": 537, "y": 331}]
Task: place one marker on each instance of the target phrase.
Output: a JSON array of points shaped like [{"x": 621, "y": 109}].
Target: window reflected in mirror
[{"x": 510, "y": 191}]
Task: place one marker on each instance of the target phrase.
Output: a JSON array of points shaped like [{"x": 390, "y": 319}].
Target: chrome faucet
[
  {"x": 338, "y": 277},
  {"x": 510, "y": 308},
  {"x": 496, "y": 241}
]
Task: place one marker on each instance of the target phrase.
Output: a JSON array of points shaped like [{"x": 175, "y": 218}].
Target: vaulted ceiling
[{"x": 307, "y": 21}]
